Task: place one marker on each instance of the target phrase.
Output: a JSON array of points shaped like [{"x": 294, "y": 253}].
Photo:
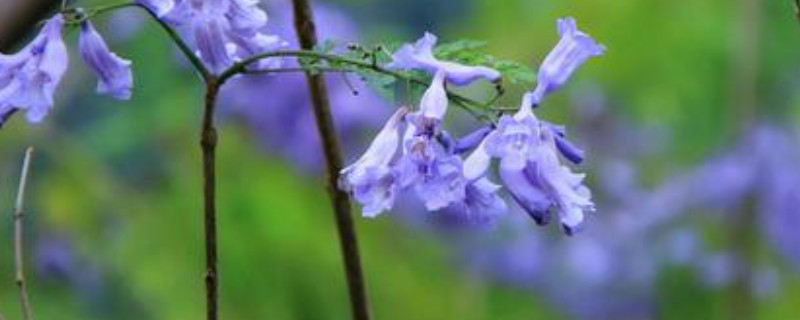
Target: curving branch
[{"x": 475, "y": 108}]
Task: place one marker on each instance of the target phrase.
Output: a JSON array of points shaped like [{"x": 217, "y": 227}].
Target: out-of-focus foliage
[{"x": 118, "y": 183}]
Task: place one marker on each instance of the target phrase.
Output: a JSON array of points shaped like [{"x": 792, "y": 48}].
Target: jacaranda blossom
[
  {"x": 223, "y": 31},
  {"x": 114, "y": 73},
  {"x": 420, "y": 56},
  {"x": 372, "y": 179},
  {"x": 481, "y": 203},
  {"x": 574, "y": 48},
  {"x": 28, "y": 78},
  {"x": 532, "y": 172},
  {"x": 159, "y": 7},
  {"x": 430, "y": 166}
]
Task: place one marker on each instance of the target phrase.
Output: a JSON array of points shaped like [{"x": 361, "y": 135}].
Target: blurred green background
[{"x": 117, "y": 184}]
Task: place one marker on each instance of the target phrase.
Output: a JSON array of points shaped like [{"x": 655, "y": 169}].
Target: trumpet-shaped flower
[
  {"x": 420, "y": 56},
  {"x": 114, "y": 73},
  {"x": 29, "y": 78},
  {"x": 532, "y": 172},
  {"x": 222, "y": 31},
  {"x": 574, "y": 48},
  {"x": 427, "y": 164},
  {"x": 481, "y": 203},
  {"x": 372, "y": 179}
]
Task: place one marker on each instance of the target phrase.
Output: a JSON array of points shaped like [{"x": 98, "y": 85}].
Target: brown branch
[
  {"x": 304, "y": 25},
  {"x": 208, "y": 143},
  {"x": 27, "y": 311}
]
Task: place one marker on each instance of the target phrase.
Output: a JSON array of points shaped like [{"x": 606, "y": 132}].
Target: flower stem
[
  {"x": 27, "y": 310},
  {"x": 475, "y": 108},
  {"x": 208, "y": 144},
  {"x": 340, "y": 201}
]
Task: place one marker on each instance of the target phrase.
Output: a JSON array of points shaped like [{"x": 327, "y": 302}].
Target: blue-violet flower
[
  {"x": 29, "y": 78},
  {"x": 114, "y": 73},
  {"x": 574, "y": 48},
  {"x": 531, "y": 171},
  {"x": 372, "y": 179}
]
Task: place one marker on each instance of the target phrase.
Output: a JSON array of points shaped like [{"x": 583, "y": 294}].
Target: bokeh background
[{"x": 690, "y": 121}]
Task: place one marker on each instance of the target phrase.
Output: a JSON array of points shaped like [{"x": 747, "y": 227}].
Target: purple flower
[
  {"x": 29, "y": 78},
  {"x": 372, "y": 180},
  {"x": 159, "y": 7},
  {"x": 566, "y": 148},
  {"x": 572, "y": 50},
  {"x": 420, "y": 56},
  {"x": 223, "y": 31},
  {"x": 532, "y": 172},
  {"x": 481, "y": 203},
  {"x": 472, "y": 139},
  {"x": 432, "y": 168},
  {"x": 114, "y": 73}
]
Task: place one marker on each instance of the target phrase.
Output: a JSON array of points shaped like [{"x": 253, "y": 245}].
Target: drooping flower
[
  {"x": 433, "y": 169},
  {"x": 372, "y": 180},
  {"x": 481, "y": 203},
  {"x": 114, "y": 73},
  {"x": 420, "y": 56},
  {"x": 222, "y": 31},
  {"x": 29, "y": 78},
  {"x": 574, "y": 48},
  {"x": 532, "y": 172}
]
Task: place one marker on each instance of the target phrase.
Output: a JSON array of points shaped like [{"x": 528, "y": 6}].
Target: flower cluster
[
  {"x": 222, "y": 31},
  {"x": 413, "y": 151},
  {"x": 29, "y": 78}
]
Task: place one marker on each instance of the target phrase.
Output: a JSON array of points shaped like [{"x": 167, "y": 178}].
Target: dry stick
[
  {"x": 304, "y": 25},
  {"x": 27, "y": 312},
  {"x": 208, "y": 143}
]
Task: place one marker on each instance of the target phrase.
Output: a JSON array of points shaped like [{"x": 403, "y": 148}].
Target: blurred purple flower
[
  {"x": 420, "y": 56},
  {"x": 114, "y": 73},
  {"x": 571, "y": 51},
  {"x": 29, "y": 78}
]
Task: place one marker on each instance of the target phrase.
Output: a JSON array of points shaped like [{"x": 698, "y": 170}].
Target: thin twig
[
  {"x": 27, "y": 311},
  {"x": 340, "y": 201},
  {"x": 475, "y": 108},
  {"x": 208, "y": 143}
]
